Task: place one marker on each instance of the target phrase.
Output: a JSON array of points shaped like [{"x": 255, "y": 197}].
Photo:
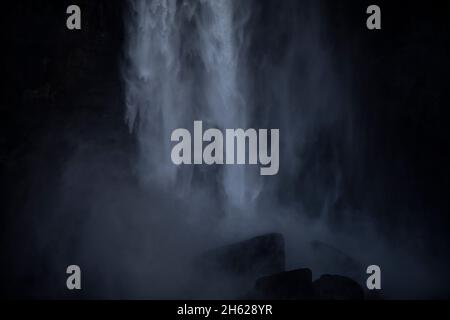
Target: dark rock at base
[
  {"x": 334, "y": 287},
  {"x": 332, "y": 260},
  {"x": 255, "y": 257},
  {"x": 289, "y": 285}
]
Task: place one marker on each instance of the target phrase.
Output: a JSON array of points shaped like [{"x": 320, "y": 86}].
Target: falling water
[
  {"x": 183, "y": 64},
  {"x": 153, "y": 88},
  {"x": 189, "y": 60}
]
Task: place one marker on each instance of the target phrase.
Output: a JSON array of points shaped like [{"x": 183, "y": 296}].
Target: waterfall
[
  {"x": 151, "y": 77},
  {"x": 231, "y": 67},
  {"x": 183, "y": 63}
]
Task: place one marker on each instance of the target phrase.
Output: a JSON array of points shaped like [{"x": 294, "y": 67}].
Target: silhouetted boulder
[
  {"x": 289, "y": 285},
  {"x": 255, "y": 257},
  {"x": 334, "y": 287},
  {"x": 331, "y": 260}
]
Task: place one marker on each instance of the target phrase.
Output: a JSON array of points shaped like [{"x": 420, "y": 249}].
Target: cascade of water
[
  {"x": 163, "y": 89},
  {"x": 151, "y": 83}
]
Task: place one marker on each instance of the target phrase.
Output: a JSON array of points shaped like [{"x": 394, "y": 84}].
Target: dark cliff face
[
  {"x": 50, "y": 72},
  {"x": 62, "y": 99},
  {"x": 56, "y": 80},
  {"x": 61, "y": 91},
  {"x": 41, "y": 52}
]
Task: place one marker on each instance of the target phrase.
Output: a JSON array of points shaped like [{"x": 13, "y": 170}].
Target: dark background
[{"x": 62, "y": 89}]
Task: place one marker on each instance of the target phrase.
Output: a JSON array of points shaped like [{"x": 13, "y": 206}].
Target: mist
[
  {"x": 136, "y": 223},
  {"x": 214, "y": 61}
]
